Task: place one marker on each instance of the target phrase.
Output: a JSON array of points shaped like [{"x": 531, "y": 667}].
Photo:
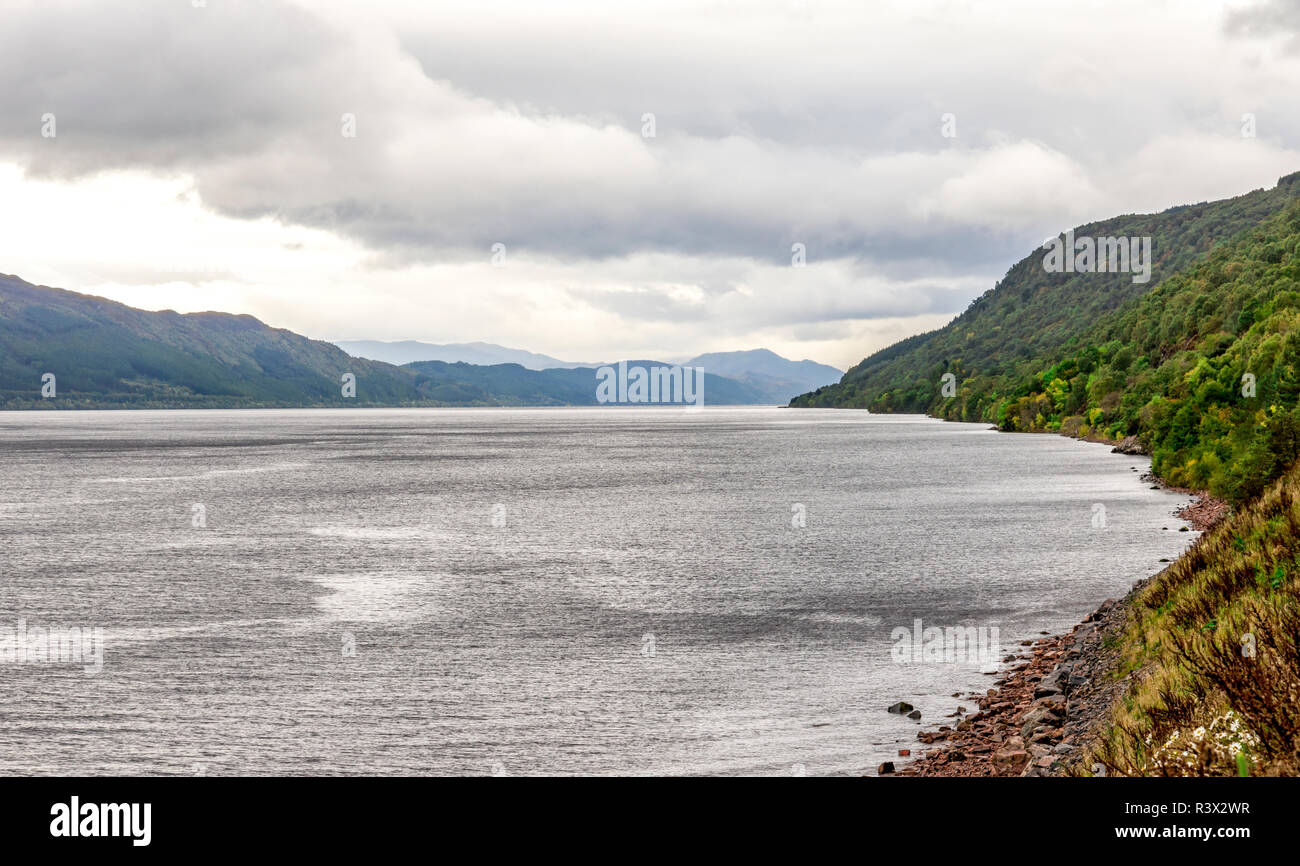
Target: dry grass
[{"x": 1212, "y": 648}]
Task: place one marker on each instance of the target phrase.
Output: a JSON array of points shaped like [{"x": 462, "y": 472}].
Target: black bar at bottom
[{"x": 333, "y": 815}]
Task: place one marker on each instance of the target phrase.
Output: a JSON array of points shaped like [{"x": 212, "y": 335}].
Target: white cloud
[{"x": 203, "y": 165}]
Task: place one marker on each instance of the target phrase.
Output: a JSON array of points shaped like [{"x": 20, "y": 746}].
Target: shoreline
[
  {"x": 1047, "y": 707},
  {"x": 1041, "y": 712}
]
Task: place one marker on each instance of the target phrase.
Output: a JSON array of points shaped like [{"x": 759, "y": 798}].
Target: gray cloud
[
  {"x": 497, "y": 135},
  {"x": 815, "y": 123},
  {"x": 1271, "y": 18}
]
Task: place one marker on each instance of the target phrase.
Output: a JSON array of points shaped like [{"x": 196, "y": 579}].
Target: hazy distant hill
[
  {"x": 773, "y": 379},
  {"x": 107, "y": 355},
  {"x": 409, "y": 351},
  {"x": 518, "y": 386},
  {"x": 779, "y": 379}
]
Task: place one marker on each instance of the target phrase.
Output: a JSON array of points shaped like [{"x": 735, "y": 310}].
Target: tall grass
[{"x": 1212, "y": 653}]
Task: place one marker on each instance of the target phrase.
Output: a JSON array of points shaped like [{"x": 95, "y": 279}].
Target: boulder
[
  {"x": 1128, "y": 445},
  {"x": 1035, "y": 717},
  {"x": 901, "y": 708},
  {"x": 1009, "y": 760},
  {"x": 1054, "y": 703}
]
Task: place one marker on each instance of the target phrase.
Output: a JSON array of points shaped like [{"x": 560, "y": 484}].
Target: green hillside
[
  {"x": 106, "y": 354},
  {"x": 1033, "y": 318},
  {"x": 1204, "y": 370}
]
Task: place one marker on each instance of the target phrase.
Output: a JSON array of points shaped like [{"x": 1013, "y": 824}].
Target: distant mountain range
[
  {"x": 103, "y": 354},
  {"x": 513, "y": 385},
  {"x": 765, "y": 370},
  {"x": 408, "y": 351},
  {"x": 769, "y": 376}
]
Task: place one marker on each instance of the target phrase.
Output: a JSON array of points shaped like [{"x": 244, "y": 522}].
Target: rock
[
  {"x": 1009, "y": 760},
  {"x": 885, "y": 769},
  {"x": 1052, "y": 683},
  {"x": 1063, "y": 748},
  {"x": 901, "y": 708},
  {"x": 1036, "y": 717},
  {"x": 960, "y": 709},
  {"x": 1128, "y": 445},
  {"x": 915, "y": 714},
  {"x": 904, "y": 753},
  {"x": 956, "y": 755},
  {"x": 1055, "y": 703}
]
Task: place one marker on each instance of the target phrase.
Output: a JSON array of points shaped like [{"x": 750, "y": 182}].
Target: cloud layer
[{"x": 526, "y": 126}]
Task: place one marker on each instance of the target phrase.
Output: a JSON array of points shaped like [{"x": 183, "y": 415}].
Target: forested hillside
[
  {"x": 107, "y": 354},
  {"x": 1205, "y": 370},
  {"x": 1033, "y": 318}
]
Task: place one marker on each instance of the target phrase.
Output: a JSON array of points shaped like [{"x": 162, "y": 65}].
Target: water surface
[{"x": 589, "y": 591}]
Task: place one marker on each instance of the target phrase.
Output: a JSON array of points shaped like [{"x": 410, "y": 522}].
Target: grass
[{"x": 1212, "y": 654}]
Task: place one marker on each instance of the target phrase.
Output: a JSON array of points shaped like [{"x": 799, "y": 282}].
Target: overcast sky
[{"x": 199, "y": 158}]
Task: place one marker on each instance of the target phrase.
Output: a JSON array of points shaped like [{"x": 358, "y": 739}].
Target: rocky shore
[
  {"x": 1204, "y": 512},
  {"x": 1043, "y": 710},
  {"x": 1053, "y": 699},
  {"x": 1051, "y": 702}
]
